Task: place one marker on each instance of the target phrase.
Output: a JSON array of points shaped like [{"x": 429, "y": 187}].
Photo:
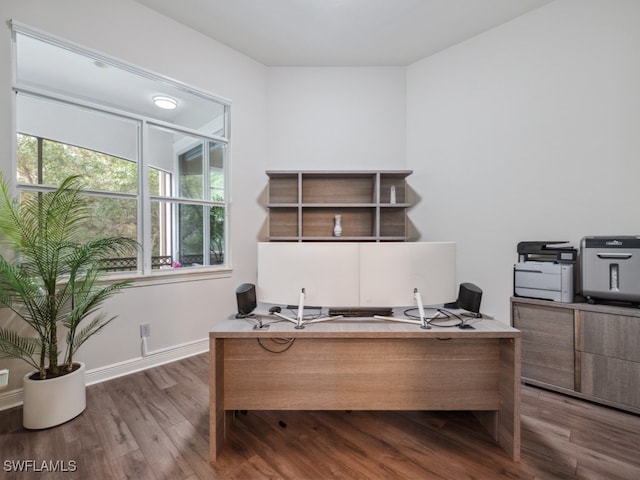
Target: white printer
[{"x": 544, "y": 271}]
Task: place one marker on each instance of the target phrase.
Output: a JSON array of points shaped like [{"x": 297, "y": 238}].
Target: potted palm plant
[{"x": 51, "y": 280}]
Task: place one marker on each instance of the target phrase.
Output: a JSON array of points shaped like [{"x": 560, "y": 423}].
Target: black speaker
[
  {"x": 246, "y": 297},
  {"x": 469, "y": 298}
]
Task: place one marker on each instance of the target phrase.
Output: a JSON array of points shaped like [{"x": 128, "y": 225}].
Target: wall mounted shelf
[{"x": 303, "y": 204}]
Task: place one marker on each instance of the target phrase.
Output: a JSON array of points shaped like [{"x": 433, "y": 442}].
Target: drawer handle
[{"x": 617, "y": 256}]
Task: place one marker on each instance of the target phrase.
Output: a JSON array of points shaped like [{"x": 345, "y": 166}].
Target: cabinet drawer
[
  {"x": 547, "y": 344},
  {"x": 550, "y": 326},
  {"x": 615, "y": 336},
  {"x": 611, "y": 379}
]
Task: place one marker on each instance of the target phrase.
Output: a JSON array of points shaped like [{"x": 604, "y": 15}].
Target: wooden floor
[{"x": 154, "y": 425}]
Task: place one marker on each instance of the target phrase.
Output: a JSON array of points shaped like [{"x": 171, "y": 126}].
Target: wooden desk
[{"x": 362, "y": 364}]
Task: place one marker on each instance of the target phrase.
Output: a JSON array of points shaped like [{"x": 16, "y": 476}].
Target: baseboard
[
  {"x": 14, "y": 398},
  {"x": 10, "y": 399}
]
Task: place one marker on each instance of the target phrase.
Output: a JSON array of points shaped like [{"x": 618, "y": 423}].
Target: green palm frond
[
  {"x": 13, "y": 345},
  {"x": 10, "y": 224},
  {"x": 94, "y": 326},
  {"x": 21, "y": 293},
  {"x": 54, "y": 278}
]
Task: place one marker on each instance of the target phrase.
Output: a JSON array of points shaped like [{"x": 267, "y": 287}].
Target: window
[{"x": 157, "y": 176}]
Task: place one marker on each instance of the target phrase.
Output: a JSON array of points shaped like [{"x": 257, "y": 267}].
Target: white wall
[
  {"x": 528, "y": 132},
  {"x": 336, "y": 118},
  {"x": 179, "y": 312}
]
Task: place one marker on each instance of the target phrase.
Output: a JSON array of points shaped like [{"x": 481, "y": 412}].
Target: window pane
[
  {"x": 191, "y": 167},
  {"x": 112, "y": 141},
  {"x": 181, "y": 157},
  {"x": 118, "y": 217},
  {"x": 217, "y": 154},
  {"x": 161, "y": 155},
  {"x": 161, "y": 235},
  {"x": 217, "y": 236},
  {"x": 159, "y": 182},
  {"x": 191, "y": 235},
  {"x": 43, "y": 162}
]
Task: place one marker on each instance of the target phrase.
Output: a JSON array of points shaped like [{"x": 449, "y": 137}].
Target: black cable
[
  {"x": 287, "y": 342},
  {"x": 257, "y": 321},
  {"x": 306, "y": 316},
  {"x": 436, "y": 320}
]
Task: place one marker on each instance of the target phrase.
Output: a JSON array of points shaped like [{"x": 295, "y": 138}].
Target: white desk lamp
[{"x": 299, "y": 320}]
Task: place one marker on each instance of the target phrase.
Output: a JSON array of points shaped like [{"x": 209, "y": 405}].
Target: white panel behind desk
[
  {"x": 389, "y": 272},
  {"x": 329, "y": 273},
  {"x": 339, "y": 274}
]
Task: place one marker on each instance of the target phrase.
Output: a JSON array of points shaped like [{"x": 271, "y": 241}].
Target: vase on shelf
[
  {"x": 392, "y": 195},
  {"x": 337, "y": 226}
]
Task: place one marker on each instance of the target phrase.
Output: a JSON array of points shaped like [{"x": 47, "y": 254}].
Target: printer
[{"x": 545, "y": 270}]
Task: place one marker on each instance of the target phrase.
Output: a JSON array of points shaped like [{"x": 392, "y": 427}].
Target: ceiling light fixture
[{"x": 165, "y": 102}]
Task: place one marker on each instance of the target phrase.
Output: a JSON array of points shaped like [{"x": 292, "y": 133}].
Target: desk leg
[
  {"x": 216, "y": 398},
  {"x": 508, "y": 432},
  {"x": 504, "y": 423}
]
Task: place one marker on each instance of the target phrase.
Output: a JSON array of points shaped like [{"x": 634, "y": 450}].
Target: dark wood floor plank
[
  {"x": 153, "y": 425},
  {"x": 194, "y": 448},
  {"x": 359, "y": 433},
  {"x": 447, "y": 456},
  {"x": 192, "y": 401},
  {"x": 552, "y": 455},
  {"x": 161, "y": 378},
  {"x": 90, "y": 460},
  {"x": 337, "y": 456},
  {"x": 13, "y": 438},
  {"x": 242, "y": 461},
  {"x": 188, "y": 374},
  {"x": 161, "y": 407},
  {"x": 604, "y": 467},
  {"x": 198, "y": 368},
  {"x": 163, "y": 457},
  {"x": 110, "y": 428},
  {"x": 132, "y": 466},
  {"x": 286, "y": 454}
]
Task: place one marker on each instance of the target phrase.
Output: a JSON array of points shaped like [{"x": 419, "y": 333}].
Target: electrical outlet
[
  {"x": 145, "y": 330},
  {"x": 4, "y": 378}
]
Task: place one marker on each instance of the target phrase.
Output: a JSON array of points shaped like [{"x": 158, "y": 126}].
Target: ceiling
[
  {"x": 275, "y": 33},
  {"x": 341, "y": 32}
]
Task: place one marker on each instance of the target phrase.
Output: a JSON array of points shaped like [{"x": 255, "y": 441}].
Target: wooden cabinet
[
  {"x": 547, "y": 344},
  {"x": 303, "y": 205},
  {"x": 590, "y": 351},
  {"x": 609, "y": 352}
]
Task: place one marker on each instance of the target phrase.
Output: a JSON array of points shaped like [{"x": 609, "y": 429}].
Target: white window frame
[{"x": 144, "y": 198}]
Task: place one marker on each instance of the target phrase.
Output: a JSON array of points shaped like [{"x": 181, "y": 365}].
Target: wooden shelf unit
[{"x": 303, "y": 204}]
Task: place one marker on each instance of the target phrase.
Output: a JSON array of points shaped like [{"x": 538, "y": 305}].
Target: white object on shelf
[{"x": 337, "y": 228}]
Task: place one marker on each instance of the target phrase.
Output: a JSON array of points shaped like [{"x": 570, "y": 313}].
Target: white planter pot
[{"x": 54, "y": 401}]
